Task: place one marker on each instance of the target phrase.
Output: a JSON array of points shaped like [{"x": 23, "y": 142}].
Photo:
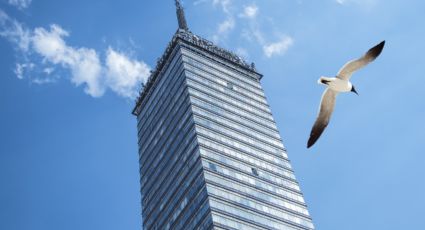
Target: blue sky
[{"x": 70, "y": 70}]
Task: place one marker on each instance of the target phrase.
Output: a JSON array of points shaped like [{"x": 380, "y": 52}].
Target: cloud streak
[
  {"x": 20, "y": 4},
  {"x": 83, "y": 63},
  {"x": 278, "y": 48},
  {"x": 118, "y": 72},
  {"x": 225, "y": 5},
  {"x": 364, "y": 3},
  {"x": 124, "y": 74},
  {"x": 226, "y": 26},
  {"x": 248, "y": 15},
  {"x": 249, "y": 11}
]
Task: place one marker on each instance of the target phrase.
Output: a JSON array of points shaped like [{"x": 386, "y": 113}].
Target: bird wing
[
  {"x": 327, "y": 105},
  {"x": 350, "y": 67}
]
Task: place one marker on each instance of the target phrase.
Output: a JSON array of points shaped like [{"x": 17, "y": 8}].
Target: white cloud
[
  {"x": 250, "y": 11},
  {"x": 225, "y": 5},
  {"x": 223, "y": 29},
  {"x": 21, "y": 68},
  {"x": 363, "y": 3},
  {"x": 278, "y": 48},
  {"x": 42, "y": 81},
  {"x": 84, "y": 63},
  {"x": 270, "y": 49},
  {"x": 48, "y": 70},
  {"x": 226, "y": 26},
  {"x": 20, "y": 4},
  {"x": 195, "y": 3},
  {"x": 119, "y": 73},
  {"x": 14, "y": 31},
  {"x": 3, "y": 16},
  {"x": 123, "y": 74}
]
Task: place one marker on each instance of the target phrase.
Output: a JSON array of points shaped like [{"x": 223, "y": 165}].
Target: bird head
[{"x": 354, "y": 90}]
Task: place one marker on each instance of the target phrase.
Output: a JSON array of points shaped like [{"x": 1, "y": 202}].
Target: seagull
[{"x": 339, "y": 84}]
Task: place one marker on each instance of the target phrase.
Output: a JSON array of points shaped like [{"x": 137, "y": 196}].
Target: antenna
[{"x": 180, "y": 16}]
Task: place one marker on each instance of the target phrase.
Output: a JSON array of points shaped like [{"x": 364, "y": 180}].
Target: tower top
[{"x": 180, "y": 16}]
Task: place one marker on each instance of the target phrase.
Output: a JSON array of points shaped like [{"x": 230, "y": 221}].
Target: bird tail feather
[{"x": 324, "y": 80}]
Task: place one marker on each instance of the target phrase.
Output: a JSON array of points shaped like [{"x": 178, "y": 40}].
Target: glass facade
[{"x": 210, "y": 154}]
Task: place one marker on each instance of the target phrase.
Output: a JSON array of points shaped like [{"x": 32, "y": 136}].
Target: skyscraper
[{"x": 210, "y": 154}]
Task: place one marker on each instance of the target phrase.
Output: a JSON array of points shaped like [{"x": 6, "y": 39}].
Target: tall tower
[{"x": 210, "y": 154}]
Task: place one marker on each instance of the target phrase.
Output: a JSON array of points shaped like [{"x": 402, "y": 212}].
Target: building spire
[{"x": 180, "y": 16}]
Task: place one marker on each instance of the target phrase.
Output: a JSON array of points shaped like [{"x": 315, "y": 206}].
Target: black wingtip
[
  {"x": 310, "y": 143},
  {"x": 376, "y": 50}
]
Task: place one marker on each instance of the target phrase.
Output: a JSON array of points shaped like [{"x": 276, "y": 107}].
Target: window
[
  {"x": 254, "y": 171},
  {"x": 212, "y": 166},
  {"x": 230, "y": 85}
]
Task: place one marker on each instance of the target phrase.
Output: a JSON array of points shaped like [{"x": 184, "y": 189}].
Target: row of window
[
  {"x": 249, "y": 216},
  {"x": 161, "y": 85},
  {"x": 223, "y": 62},
  {"x": 162, "y": 107},
  {"x": 158, "y": 185},
  {"x": 217, "y": 111},
  {"x": 189, "y": 204},
  {"x": 224, "y": 97},
  {"x": 231, "y": 223},
  {"x": 167, "y": 214},
  {"x": 218, "y": 105},
  {"x": 215, "y": 122},
  {"x": 180, "y": 126},
  {"x": 213, "y": 67},
  {"x": 170, "y": 193},
  {"x": 229, "y": 82},
  {"x": 235, "y": 144},
  {"x": 277, "y": 166},
  {"x": 260, "y": 207},
  {"x": 178, "y": 145},
  {"x": 179, "y": 120},
  {"x": 247, "y": 177},
  {"x": 239, "y": 141},
  {"x": 152, "y": 181},
  {"x": 164, "y": 133},
  {"x": 275, "y": 176},
  {"x": 251, "y": 179},
  {"x": 230, "y": 91},
  {"x": 200, "y": 218},
  {"x": 164, "y": 110},
  {"x": 260, "y": 194}
]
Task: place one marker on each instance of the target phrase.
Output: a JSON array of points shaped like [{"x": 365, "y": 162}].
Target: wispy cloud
[
  {"x": 249, "y": 16},
  {"x": 242, "y": 52},
  {"x": 20, "y": 4},
  {"x": 223, "y": 29},
  {"x": 249, "y": 11},
  {"x": 14, "y": 31},
  {"x": 363, "y": 3},
  {"x": 83, "y": 63},
  {"x": 226, "y": 26},
  {"x": 124, "y": 74},
  {"x": 269, "y": 49},
  {"x": 195, "y": 3},
  {"x": 119, "y": 72},
  {"x": 21, "y": 69},
  {"x": 225, "y": 5},
  {"x": 278, "y": 48}
]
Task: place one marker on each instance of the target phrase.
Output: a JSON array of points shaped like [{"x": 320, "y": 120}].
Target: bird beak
[{"x": 354, "y": 90}]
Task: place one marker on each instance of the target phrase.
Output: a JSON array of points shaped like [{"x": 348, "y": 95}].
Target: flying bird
[{"x": 339, "y": 84}]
